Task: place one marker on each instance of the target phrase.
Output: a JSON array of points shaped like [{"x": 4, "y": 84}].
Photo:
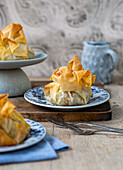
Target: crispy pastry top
[
  {"x": 13, "y": 127},
  {"x": 72, "y": 77},
  {"x": 13, "y": 43}
]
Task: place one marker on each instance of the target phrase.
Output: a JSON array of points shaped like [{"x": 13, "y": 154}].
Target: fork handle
[{"x": 117, "y": 130}]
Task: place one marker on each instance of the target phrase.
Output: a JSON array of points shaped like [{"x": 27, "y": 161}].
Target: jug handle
[{"x": 114, "y": 57}]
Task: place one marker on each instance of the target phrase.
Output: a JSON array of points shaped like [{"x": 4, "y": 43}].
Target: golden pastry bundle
[
  {"x": 13, "y": 44},
  {"x": 13, "y": 127},
  {"x": 71, "y": 85}
]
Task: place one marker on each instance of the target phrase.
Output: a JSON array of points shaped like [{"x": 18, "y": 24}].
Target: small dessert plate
[
  {"x": 36, "y": 96},
  {"x": 37, "y": 133}
]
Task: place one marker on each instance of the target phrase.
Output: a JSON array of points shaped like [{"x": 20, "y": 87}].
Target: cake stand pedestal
[{"x": 13, "y": 79}]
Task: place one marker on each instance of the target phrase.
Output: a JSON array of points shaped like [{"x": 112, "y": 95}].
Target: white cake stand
[{"x": 13, "y": 79}]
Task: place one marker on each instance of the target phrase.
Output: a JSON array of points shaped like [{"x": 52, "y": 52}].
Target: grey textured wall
[{"x": 59, "y": 28}]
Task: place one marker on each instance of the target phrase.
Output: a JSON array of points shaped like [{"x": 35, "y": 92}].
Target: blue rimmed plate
[
  {"x": 36, "y": 96},
  {"x": 37, "y": 133}
]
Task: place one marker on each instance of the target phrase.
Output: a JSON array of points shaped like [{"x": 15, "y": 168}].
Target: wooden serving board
[{"x": 30, "y": 111}]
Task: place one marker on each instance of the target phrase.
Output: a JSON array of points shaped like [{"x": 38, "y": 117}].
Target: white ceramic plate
[
  {"x": 36, "y": 96},
  {"x": 37, "y": 133},
  {"x": 39, "y": 57}
]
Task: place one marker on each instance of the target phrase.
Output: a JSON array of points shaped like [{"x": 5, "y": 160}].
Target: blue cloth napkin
[{"x": 46, "y": 149}]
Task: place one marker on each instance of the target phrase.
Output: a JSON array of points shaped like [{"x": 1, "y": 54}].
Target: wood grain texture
[
  {"x": 98, "y": 113},
  {"x": 59, "y": 28},
  {"x": 30, "y": 111},
  {"x": 96, "y": 152}
]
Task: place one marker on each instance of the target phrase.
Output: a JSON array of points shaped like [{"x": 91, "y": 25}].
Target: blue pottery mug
[{"x": 100, "y": 59}]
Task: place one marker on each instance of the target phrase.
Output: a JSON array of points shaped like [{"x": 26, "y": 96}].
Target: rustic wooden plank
[{"x": 101, "y": 112}]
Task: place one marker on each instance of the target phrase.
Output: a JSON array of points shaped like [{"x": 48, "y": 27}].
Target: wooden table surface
[{"x": 96, "y": 152}]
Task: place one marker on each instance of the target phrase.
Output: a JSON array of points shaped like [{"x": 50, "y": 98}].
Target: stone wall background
[{"x": 59, "y": 28}]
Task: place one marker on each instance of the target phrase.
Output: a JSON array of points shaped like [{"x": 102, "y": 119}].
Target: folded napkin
[{"x": 46, "y": 149}]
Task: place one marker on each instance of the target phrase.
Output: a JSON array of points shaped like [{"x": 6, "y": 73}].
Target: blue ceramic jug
[{"x": 100, "y": 59}]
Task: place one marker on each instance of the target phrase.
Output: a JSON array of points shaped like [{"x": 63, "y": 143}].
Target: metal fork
[{"x": 86, "y": 132}]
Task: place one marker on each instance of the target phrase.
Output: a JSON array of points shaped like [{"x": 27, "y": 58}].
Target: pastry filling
[{"x": 69, "y": 98}]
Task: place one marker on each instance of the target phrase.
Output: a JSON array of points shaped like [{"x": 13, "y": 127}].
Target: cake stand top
[{"x": 14, "y": 64}]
